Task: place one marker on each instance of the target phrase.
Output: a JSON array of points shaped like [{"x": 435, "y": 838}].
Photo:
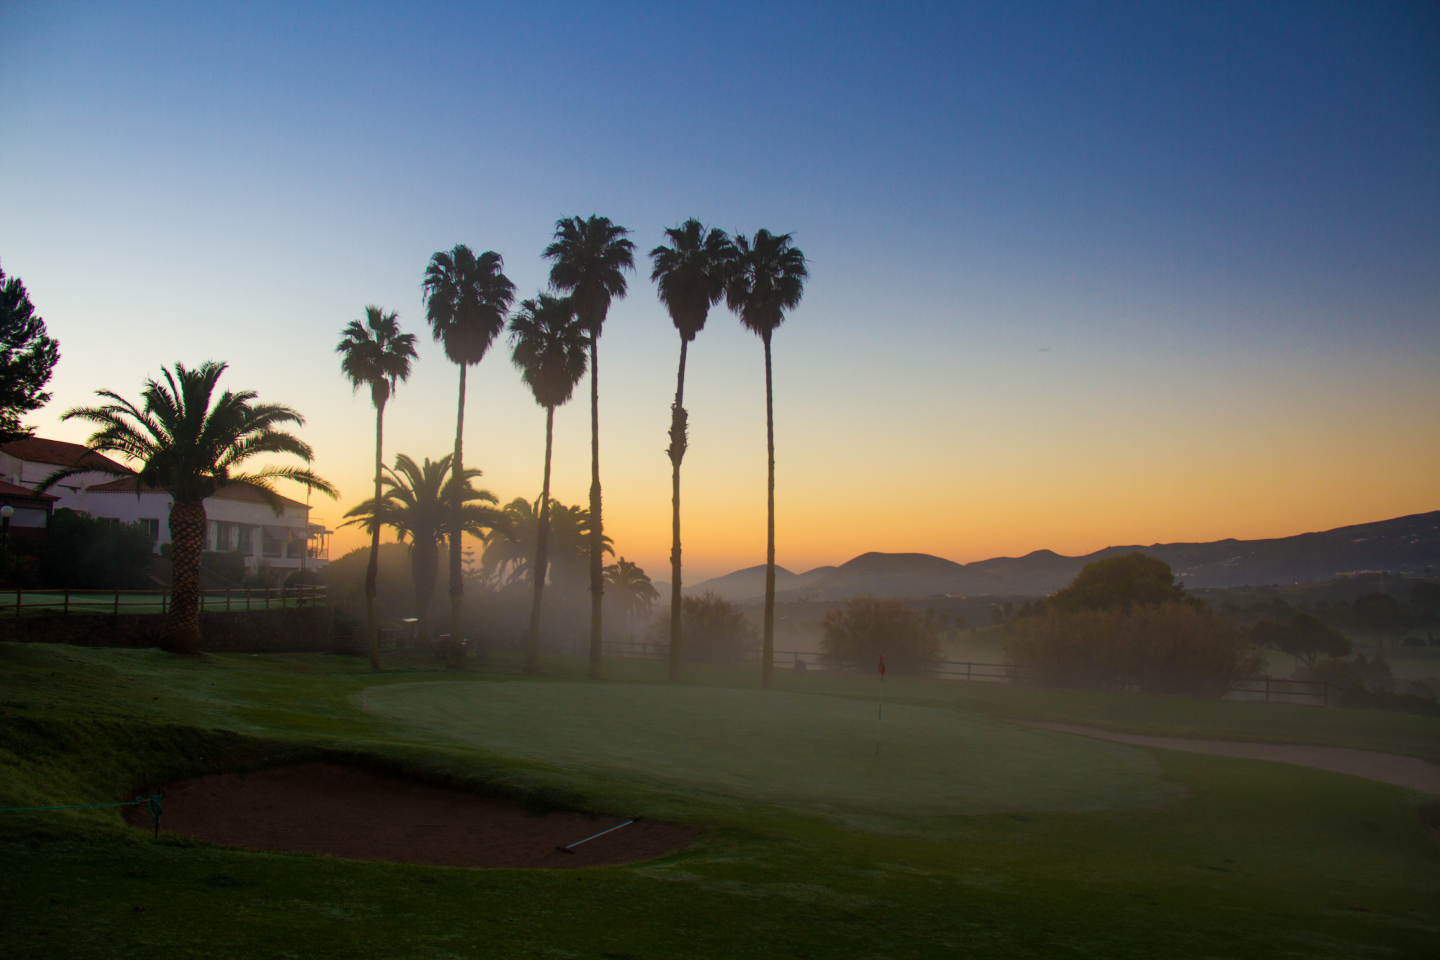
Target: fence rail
[
  {"x": 1269, "y": 689},
  {"x": 18, "y": 603}
]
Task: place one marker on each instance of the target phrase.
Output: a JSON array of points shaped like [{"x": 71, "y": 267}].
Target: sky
[{"x": 1081, "y": 274}]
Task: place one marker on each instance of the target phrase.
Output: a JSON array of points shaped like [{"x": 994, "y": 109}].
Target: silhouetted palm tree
[
  {"x": 633, "y": 589},
  {"x": 377, "y": 355},
  {"x": 769, "y": 278},
  {"x": 590, "y": 258},
  {"x": 691, "y": 276},
  {"x": 188, "y": 447},
  {"x": 548, "y": 347},
  {"x": 466, "y": 300},
  {"x": 418, "y": 504},
  {"x": 511, "y": 560}
]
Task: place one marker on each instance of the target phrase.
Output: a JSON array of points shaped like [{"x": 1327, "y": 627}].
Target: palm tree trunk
[
  {"x": 372, "y": 570},
  {"x": 597, "y": 527},
  {"x": 424, "y": 568},
  {"x": 181, "y": 633},
  {"x": 767, "y": 651},
  {"x": 455, "y": 656},
  {"x": 542, "y": 553},
  {"x": 677, "y": 453}
]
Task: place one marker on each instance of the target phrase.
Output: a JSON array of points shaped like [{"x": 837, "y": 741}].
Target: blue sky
[{"x": 1082, "y": 274}]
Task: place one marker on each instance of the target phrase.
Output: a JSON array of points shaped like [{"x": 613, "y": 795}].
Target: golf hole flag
[{"x": 882, "y": 666}]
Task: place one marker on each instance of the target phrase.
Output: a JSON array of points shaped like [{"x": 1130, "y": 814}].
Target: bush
[
  {"x": 1358, "y": 699},
  {"x": 857, "y": 635},
  {"x": 80, "y": 552},
  {"x": 1338, "y": 673},
  {"x": 1169, "y": 648},
  {"x": 712, "y": 630}
]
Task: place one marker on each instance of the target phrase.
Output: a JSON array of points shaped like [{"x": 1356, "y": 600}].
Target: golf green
[{"x": 817, "y": 753}]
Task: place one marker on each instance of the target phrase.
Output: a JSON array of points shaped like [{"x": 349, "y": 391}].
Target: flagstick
[{"x": 879, "y": 717}]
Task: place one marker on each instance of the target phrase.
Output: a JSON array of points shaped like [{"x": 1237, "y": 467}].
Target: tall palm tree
[
  {"x": 633, "y": 589},
  {"x": 377, "y": 355},
  {"x": 466, "y": 300},
  {"x": 590, "y": 258},
  {"x": 417, "y": 504},
  {"x": 190, "y": 447},
  {"x": 548, "y": 347},
  {"x": 768, "y": 279},
  {"x": 691, "y": 275}
]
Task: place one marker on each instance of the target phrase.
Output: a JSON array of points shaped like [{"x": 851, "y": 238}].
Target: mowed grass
[
  {"x": 912, "y": 771},
  {"x": 1253, "y": 860}
]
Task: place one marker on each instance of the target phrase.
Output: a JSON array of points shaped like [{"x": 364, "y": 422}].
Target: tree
[
  {"x": 768, "y": 278},
  {"x": 866, "y": 628},
  {"x": 1379, "y": 613},
  {"x": 27, "y": 358},
  {"x": 1303, "y": 637},
  {"x": 690, "y": 275},
  {"x": 589, "y": 259},
  {"x": 190, "y": 447},
  {"x": 1122, "y": 582},
  {"x": 716, "y": 630},
  {"x": 510, "y": 560},
  {"x": 377, "y": 355},
  {"x": 466, "y": 300},
  {"x": 1426, "y": 596},
  {"x": 548, "y": 346},
  {"x": 633, "y": 589},
  {"x": 417, "y": 503}
]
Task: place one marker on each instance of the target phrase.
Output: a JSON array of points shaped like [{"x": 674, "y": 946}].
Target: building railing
[{"x": 18, "y": 603}]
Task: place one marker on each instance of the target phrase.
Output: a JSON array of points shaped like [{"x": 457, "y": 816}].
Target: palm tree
[
  {"x": 633, "y": 589},
  {"x": 548, "y": 347},
  {"x": 417, "y": 504},
  {"x": 590, "y": 259},
  {"x": 377, "y": 355},
  {"x": 691, "y": 275},
  {"x": 769, "y": 278},
  {"x": 510, "y": 560},
  {"x": 466, "y": 299},
  {"x": 190, "y": 448}
]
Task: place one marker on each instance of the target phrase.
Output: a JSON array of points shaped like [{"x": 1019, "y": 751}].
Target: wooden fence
[{"x": 17, "y": 603}]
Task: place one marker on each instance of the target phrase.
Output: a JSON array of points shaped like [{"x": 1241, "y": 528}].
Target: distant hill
[{"x": 1406, "y": 545}]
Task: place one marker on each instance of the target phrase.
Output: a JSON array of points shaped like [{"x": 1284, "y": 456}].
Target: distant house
[
  {"x": 30, "y": 511},
  {"x": 238, "y": 519}
]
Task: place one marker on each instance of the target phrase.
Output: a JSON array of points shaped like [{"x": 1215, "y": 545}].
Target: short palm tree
[
  {"x": 633, "y": 589},
  {"x": 510, "y": 560},
  {"x": 548, "y": 347},
  {"x": 589, "y": 259},
  {"x": 417, "y": 504},
  {"x": 466, "y": 300},
  {"x": 768, "y": 279},
  {"x": 190, "y": 447},
  {"x": 377, "y": 355},
  {"x": 690, "y": 275}
]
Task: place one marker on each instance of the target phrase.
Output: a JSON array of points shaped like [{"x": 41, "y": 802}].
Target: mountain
[
  {"x": 749, "y": 583},
  {"x": 1406, "y": 545}
]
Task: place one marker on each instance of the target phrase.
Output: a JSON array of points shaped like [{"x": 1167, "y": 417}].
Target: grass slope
[{"x": 1258, "y": 860}]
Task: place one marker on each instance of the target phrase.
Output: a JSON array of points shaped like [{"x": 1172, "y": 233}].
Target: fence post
[
  {"x": 117, "y": 603},
  {"x": 968, "y": 665},
  {"x": 66, "y": 608},
  {"x": 227, "y": 599},
  {"x": 164, "y": 595},
  {"x": 1267, "y": 689},
  {"x": 17, "y": 601}
]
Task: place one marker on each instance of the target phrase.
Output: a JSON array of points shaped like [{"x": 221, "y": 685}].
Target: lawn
[{"x": 1151, "y": 853}]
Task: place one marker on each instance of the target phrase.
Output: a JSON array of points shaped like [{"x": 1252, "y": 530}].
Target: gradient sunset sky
[{"x": 1081, "y": 274}]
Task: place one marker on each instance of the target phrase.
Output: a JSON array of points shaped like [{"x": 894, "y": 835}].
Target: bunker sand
[
  {"x": 354, "y": 814},
  {"x": 1411, "y": 772}
]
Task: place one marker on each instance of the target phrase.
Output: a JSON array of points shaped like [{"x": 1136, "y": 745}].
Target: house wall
[{"x": 29, "y": 474}]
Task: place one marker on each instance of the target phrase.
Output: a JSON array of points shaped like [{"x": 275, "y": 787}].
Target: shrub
[
  {"x": 1338, "y": 673},
  {"x": 1167, "y": 648},
  {"x": 712, "y": 630},
  {"x": 862, "y": 631},
  {"x": 83, "y": 553},
  {"x": 1358, "y": 699}
]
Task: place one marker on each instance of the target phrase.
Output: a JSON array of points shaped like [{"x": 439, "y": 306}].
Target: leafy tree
[
  {"x": 590, "y": 258},
  {"x": 633, "y": 589},
  {"x": 27, "y": 358},
  {"x": 418, "y": 504},
  {"x": 190, "y": 447},
  {"x": 1122, "y": 582},
  {"x": 866, "y": 628},
  {"x": 768, "y": 278},
  {"x": 1426, "y": 596},
  {"x": 548, "y": 346},
  {"x": 1303, "y": 637},
  {"x": 690, "y": 275},
  {"x": 716, "y": 630},
  {"x": 81, "y": 552},
  {"x": 466, "y": 300},
  {"x": 377, "y": 355},
  {"x": 1379, "y": 613}
]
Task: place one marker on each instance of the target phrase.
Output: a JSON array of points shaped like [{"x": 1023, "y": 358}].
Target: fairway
[{"x": 816, "y": 753}]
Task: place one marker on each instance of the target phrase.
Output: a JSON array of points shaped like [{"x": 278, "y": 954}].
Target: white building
[{"x": 238, "y": 517}]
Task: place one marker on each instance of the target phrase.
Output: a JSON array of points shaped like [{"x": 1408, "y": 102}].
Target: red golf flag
[{"x": 882, "y": 666}]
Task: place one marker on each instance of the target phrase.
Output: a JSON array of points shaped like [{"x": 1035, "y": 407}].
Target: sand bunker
[
  {"x": 1389, "y": 768},
  {"x": 358, "y": 815}
]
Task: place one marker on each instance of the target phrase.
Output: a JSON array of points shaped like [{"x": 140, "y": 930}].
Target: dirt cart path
[{"x": 1389, "y": 768}]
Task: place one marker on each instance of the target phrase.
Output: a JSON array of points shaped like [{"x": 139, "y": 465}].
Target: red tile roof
[
  {"x": 58, "y": 452},
  {"x": 231, "y": 491},
  {"x": 17, "y": 492}
]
